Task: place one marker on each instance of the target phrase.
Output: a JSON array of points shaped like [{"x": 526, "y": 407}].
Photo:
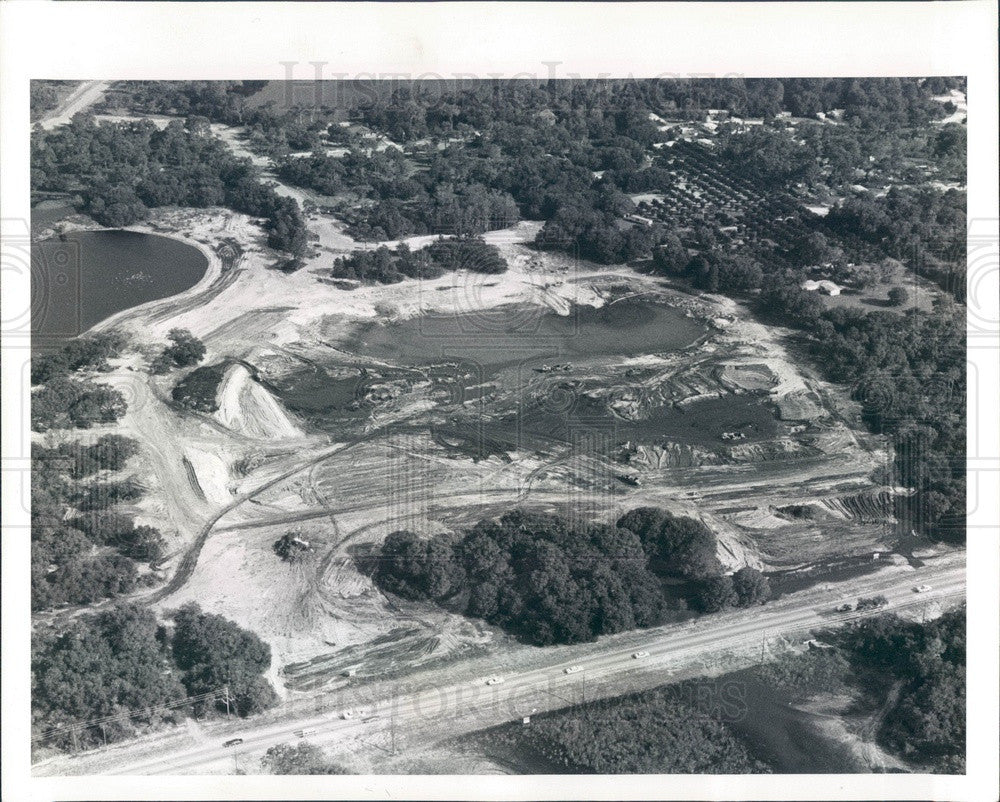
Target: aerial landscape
[{"x": 498, "y": 427}]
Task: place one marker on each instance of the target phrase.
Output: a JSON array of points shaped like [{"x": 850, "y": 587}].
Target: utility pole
[
  {"x": 226, "y": 689},
  {"x": 104, "y": 734}
]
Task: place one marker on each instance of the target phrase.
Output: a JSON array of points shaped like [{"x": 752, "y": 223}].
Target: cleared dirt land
[
  {"x": 728, "y": 427},
  {"x": 340, "y": 440}
]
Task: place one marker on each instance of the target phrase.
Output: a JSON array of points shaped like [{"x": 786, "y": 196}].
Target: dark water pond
[
  {"x": 510, "y": 335},
  {"x": 463, "y": 355},
  {"x": 85, "y": 277},
  {"x": 565, "y": 417},
  {"x": 313, "y": 392},
  {"x": 784, "y": 737}
]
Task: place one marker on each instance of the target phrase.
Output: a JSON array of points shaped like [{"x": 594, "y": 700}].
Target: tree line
[
  {"x": 124, "y": 169},
  {"x": 908, "y": 375},
  {"x": 385, "y": 266},
  {"x": 83, "y": 548}
]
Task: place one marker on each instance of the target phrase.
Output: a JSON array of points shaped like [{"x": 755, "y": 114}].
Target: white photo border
[{"x": 237, "y": 40}]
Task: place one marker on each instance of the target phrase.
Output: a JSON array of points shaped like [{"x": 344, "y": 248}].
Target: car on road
[
  {"x": 233, "y": 742},
  {"x": 304, "y": 733},
  {"x": 639, "y": 655},
  {"x": 922, "y": 588},
  {"x": 846, "y": 607},
  {"x": 494, "y": 680},
  {"x": 573, "y": 669}
]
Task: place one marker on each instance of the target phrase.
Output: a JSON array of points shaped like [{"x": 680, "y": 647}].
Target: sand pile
[{"x": 249, "y": 409}]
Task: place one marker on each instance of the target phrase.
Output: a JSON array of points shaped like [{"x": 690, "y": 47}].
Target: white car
[
  {"x": 494, "y": 680},
  {"x": 639, "y": 655},
  {"x": 573, "y": 669},
  {"x": 846, "y": 607},
  {"x": 922, "y": 588}
]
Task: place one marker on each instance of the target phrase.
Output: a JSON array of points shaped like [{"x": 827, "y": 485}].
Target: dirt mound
[
  {"x": 249, "y": 409},
  {"x": 868, "y": 507},
  {"x": 798, "y": 406}
]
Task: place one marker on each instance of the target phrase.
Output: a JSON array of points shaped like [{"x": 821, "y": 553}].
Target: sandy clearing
[
  {"x": 249, "y": 409},
  {"x": 355, "y": 499},
  {"x": 212, "y": 474}
]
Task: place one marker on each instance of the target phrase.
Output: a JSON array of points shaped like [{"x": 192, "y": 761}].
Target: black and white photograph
[{"x": 504, "y": 424}]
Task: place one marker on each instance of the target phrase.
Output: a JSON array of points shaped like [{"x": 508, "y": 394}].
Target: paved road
[
  {"x": 84, "y": 96},
  {"x": 466, "y": 703}
]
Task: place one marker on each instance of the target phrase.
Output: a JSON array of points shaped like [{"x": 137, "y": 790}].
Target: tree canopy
[
  {"x": 550, "y": 580},
  {"x": 215, "y": 652}
]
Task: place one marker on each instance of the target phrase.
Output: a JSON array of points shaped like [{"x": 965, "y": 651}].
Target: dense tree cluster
[
  {"x": 466, "y": 253},
  {"x": 184, "y": 350},
  {"x": 108, "y": 665},
  {"x": 927, "y": 722},
  {"x": 385, "y": 266},
  {"x": 597, "y": 235},
  {"x": 223, "y": 101},
  {"x": 677, "y": 546},
  {"x": 535, "y": 575},
  {"x": 43, "y": 96},
  {"x": 745, "y": 588},
  {"x": 683, "y": 548},
  {"x": 924, "y": 228},
  {"x": 124, "y": 169},
  {"x": 127, "y": 670},
  {"x": 74, "y": 403},
  {"x": 766, "y": 156},
  {"x": 550, "y": 581},
  {"x": 109, "y": 452},
  {"x": 654, "y": 732},
  {"x": 65, "y": 401},
  {"x": 214, "y": 652}
]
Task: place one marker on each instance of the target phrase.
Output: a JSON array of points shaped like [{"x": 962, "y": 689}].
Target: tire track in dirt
[{"x": 190, "y": 560}]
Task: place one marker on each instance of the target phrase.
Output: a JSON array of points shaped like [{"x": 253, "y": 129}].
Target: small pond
[{"x": 81, "y": 278}]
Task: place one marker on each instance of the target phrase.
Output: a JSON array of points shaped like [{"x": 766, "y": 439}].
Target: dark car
[{"x": 233, "y": 742}]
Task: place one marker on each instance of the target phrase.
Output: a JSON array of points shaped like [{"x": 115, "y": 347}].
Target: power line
[{"x": 78, "y": 726}]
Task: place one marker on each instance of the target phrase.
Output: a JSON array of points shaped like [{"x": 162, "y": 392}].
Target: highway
[
  {"x": 457, "y": 700},
  {"x": 80, "y": 99}
]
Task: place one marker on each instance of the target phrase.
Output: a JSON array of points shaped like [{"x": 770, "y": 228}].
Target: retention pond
[{"x": 81, "y": 278}]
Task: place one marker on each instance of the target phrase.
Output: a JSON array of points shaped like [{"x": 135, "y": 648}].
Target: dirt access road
[{"x": 443, "y": 704}]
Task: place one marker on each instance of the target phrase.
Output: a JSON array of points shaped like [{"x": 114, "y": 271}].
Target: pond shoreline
[{"x": 211, "y": 271}]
